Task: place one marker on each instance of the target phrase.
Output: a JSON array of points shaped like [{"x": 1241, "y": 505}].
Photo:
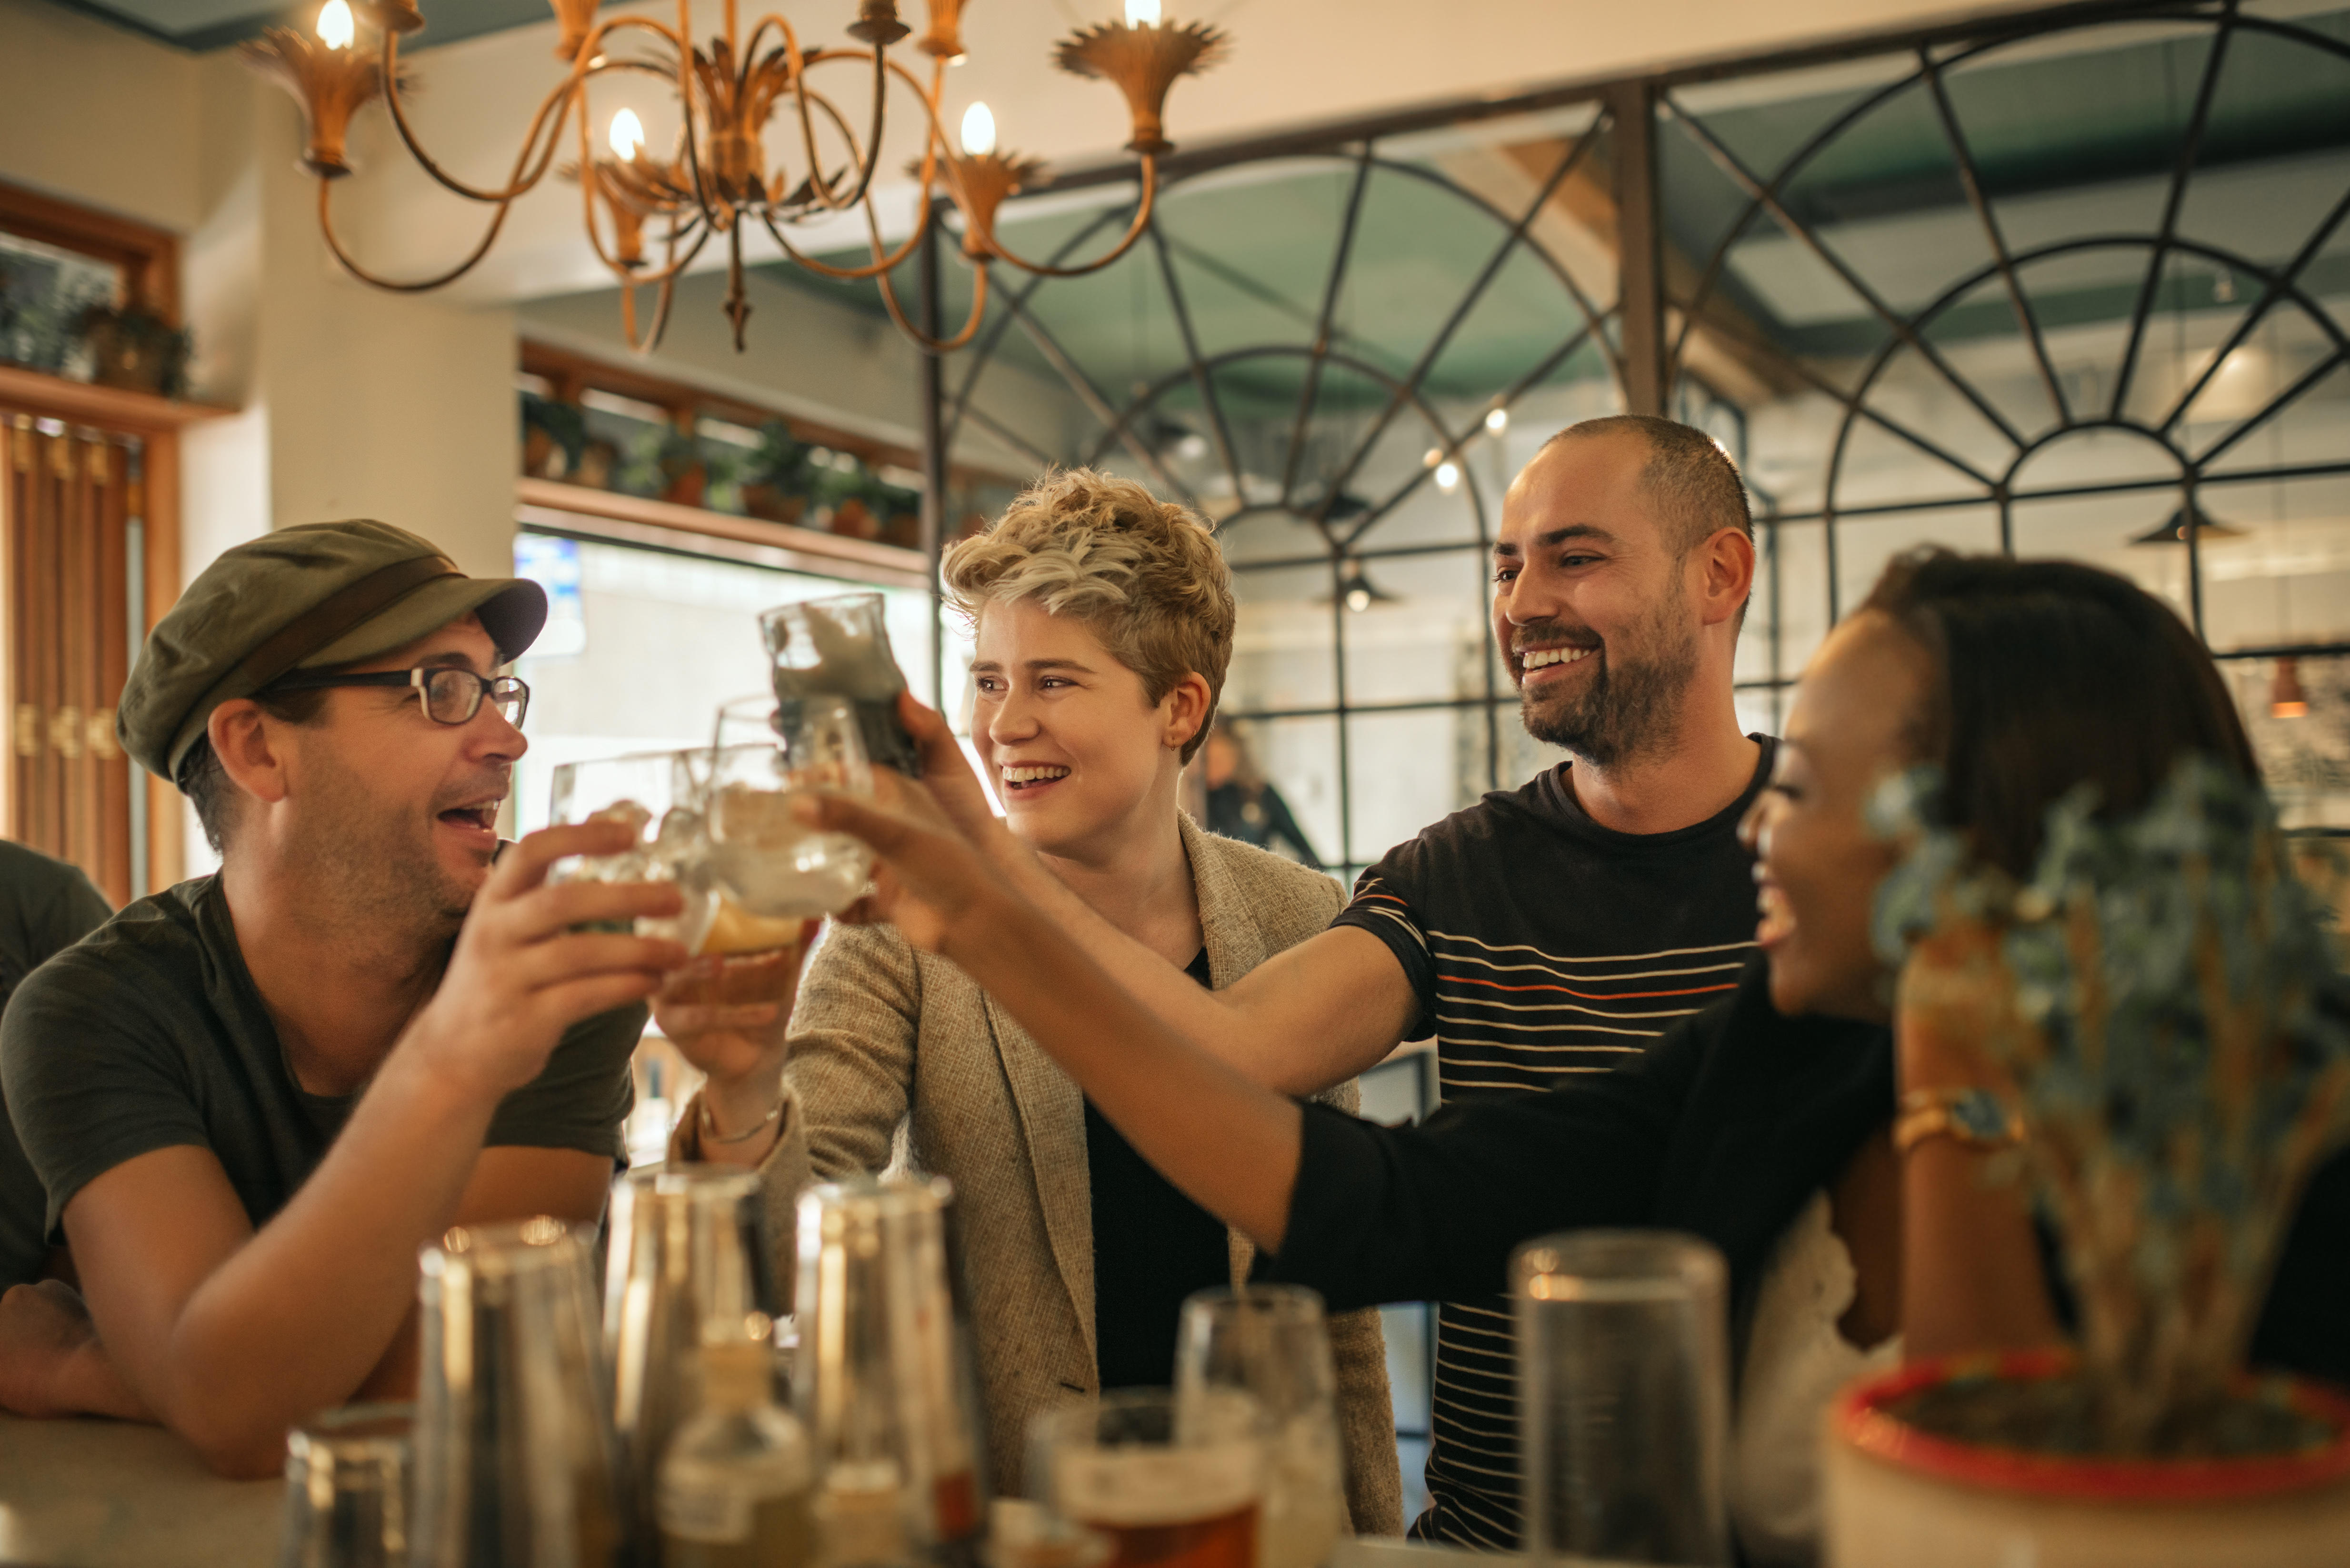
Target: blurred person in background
[{"x": 1242, "y": 802}]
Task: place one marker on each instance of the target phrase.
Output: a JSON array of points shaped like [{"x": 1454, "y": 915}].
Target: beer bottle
[{"x": 734, "y": 1490}]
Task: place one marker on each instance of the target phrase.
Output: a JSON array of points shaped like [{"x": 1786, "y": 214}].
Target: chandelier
[{"x": 649, "y": 216}]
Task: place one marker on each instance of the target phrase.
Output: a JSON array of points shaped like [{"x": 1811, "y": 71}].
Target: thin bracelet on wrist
[
  {"x": 1973, "y": 1118},
  {"x": 708, "y": 1132}
]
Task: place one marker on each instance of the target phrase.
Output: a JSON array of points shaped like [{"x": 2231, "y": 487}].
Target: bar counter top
[{"x": 107, "y": 1494}]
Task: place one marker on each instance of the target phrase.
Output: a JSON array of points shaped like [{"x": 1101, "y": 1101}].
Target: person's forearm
[
  {"x": 1230, "y": 1146},
  {"x": 299, "y": 1317},
  {"x": 1972, "y": 1276},
  {"x": 1290, "y": 1049}
]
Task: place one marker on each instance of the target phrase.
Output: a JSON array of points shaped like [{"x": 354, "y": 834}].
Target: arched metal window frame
[{"x": 1648, "y": 362}]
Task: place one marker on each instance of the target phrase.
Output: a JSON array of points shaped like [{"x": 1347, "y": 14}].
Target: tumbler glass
[
  {"x": 656, "y": 794},
  {"x": 840, "y": 647},
  {"x": 1623, "y": 1362},
  {"x": 1173, "y": 1481},
  {"x": 768, "y": 862},
  {"x": 1272, "y": 1341},
  {"x": 347, "y": 1489}
]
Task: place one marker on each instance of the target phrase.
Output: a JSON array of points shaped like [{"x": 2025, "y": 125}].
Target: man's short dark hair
[
  {"x": 1688, "y": 477},
  {"x": 205, "y": 782}
]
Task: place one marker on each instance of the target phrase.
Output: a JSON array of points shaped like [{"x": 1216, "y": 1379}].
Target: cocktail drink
[
  {"x": 1272, "y": 1343},
  {"x": 840, "y": 647},
  {"x": 655, "y": 793},
  {"x": 771, "y": 864},
  {"x": 1171, "y": 1482},
  {"x": 745, "y": 960}
]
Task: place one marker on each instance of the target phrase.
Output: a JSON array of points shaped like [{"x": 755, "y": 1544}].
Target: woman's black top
[{"x": 1724, "y": 1129}]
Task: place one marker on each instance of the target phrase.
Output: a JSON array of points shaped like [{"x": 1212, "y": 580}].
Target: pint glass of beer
[{"x": 1172, "y": 1483}]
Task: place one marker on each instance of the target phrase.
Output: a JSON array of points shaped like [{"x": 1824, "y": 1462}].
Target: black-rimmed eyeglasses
[{"x": 450, "y": 695}]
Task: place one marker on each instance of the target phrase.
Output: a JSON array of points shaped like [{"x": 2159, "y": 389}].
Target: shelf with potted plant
[{"x": 609, "y": 441}]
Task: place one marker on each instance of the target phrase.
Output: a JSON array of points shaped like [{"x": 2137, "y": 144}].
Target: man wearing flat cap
[{"x": 251, "y": 1098}]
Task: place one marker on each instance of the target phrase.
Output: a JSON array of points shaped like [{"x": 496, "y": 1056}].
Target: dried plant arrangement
[{"x": 2154, "y": 997}]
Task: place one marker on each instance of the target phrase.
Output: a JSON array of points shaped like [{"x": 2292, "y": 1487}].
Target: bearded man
[
  {"x": 250, "y": 1099},
  {"x": 1543, "y": 931}
]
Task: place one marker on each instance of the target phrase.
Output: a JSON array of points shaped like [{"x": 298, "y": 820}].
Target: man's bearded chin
[
  {"x": 1631, "y": 702},
  {"x": 377, "y": 867}
]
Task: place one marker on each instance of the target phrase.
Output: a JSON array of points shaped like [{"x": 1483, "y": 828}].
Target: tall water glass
[
  {"x": 840, "y": 647},
  {"x": 686, "y": 1256},
  {"x": 515, "y": 1462},
  {"x": 881, "y": 1383},
  {"x": 767, "y": 861},
  {"x": 1624, "y": 1380},
  {"x": 347, "y": 1502},
  {"x": 656, "y": 794},
  {"x": 1273, "y": 1343},
  {"x": 1173, "y": 1481}
]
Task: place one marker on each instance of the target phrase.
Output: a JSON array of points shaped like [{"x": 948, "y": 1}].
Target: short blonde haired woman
[{"x": 1104, "y": 624}]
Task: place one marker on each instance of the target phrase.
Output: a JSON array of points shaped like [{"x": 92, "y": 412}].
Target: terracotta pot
[
  {"x": 1896, "y": 1494},
  {"x": 764, "y": 501}
]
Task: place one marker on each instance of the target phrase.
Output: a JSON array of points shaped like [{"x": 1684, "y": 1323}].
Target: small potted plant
[
  {"x": 776, "y": 481},
  {"x": 684, "y": 468},
  {"x": 554, "y": 436},
  {"x": 2150, "y": 995},
  {"x": 134, "y": 348}
]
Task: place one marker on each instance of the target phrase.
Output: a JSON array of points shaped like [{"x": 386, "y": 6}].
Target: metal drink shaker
[
  {"x": 879, "y": 1383},
  {"x": 685, "y": 1253},
  {"x": 515, "y": 1465}
]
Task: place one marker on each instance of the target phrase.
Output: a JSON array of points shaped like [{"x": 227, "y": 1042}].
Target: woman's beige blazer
[{"x": 884, "y": 1037}]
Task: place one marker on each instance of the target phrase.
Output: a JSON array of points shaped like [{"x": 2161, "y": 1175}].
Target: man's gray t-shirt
[
  {"x": 151, "y": 1034},
  {"x": 45, "y": 906}
]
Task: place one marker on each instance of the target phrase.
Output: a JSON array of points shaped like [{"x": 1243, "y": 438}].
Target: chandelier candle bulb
[
  {"x": 628, "y": 136},
  {"x": 337, "y": 27},
  {"x": 978, "y": 130}
]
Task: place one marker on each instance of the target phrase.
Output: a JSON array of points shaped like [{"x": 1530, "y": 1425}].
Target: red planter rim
[{"x": 1860, "y": 1420}]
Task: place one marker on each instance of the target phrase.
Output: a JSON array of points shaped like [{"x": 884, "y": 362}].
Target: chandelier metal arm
[
  {"x": 394, "y": 286},
  {"x": 668, "y": 292},
  {"x": 1134, "y": 232},
  {"x": 562, "y": 95},
  {"x": 923, "y": 340},
  {"x": 881, "y": 264}
]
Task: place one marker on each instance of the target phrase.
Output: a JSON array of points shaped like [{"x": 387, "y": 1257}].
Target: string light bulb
[
  {"x": 337, "y": 27},
  {"x": 1448, "y": 477},
  {"x": 1142, "y": 13},
  {"x": 1498, "y": 420},
  {"x": 628, "y": 135},
  {"x": 2287, "y": 697},
  {"x": 978, "y": 130}
]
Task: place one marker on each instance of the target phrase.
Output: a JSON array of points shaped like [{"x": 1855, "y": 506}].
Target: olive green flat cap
[{"x": 306, "y": 597}]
